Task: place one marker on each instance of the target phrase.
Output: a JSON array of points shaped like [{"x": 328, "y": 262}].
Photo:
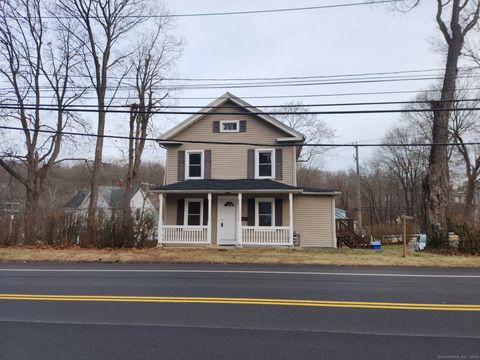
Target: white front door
[{"x": 227, "y": 220}]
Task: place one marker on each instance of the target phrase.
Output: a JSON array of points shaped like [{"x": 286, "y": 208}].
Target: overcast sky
[{"x": 347, "y": 40}]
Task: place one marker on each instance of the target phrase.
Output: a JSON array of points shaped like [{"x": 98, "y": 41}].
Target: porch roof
[{"x": 237, "y": 185}]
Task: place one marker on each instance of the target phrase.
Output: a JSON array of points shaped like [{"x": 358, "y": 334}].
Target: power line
[
  {"x": 332, "y": 112},
  {"x": 318, "y": 76},
  {"x": 246, "y": 12},
  {"x": 279, "y": 106},
  {"x": 419, "y": 72},
  {"x": 207, "y": 86},
  {"x": 279, "y": 96},
  {"x": 331, "y": 145}
]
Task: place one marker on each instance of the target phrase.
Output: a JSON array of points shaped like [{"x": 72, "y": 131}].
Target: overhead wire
[
  {"x": 277, "y": 106},
  {"x": 292, "y": 96},
  {"x": 260, "y": 84},
  {"x": 330, "y": 112},
  {"x": 169, "y": 141},
  {"x": 244, "y": 12}
]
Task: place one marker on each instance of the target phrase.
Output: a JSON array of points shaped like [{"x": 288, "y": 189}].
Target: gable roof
[
  {"x": 113, "y": 196},
  {"x": 77, "y": 200},
  {"x": 293, "y": 134}
]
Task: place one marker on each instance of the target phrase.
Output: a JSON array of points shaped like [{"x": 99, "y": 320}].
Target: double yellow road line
[{"x": 244, "y": 301}]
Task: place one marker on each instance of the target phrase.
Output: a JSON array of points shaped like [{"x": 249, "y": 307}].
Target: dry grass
[{"x": 388, "y": 256}]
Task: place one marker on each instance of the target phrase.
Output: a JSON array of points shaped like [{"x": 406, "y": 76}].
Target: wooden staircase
[{"x": 346, "y": 236}]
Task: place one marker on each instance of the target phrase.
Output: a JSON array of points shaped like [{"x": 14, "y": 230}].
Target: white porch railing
[
  {"x": 180, "y": 234},
  {"x": 264, "y": 236}
]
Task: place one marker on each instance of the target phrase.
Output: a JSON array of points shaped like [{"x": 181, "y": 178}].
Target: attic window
[{"x": 229, "y": 126}]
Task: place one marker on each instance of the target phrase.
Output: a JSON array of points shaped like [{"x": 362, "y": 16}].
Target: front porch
[{"x": 261, "y": 218}]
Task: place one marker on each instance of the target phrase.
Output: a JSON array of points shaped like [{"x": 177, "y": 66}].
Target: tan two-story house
[{"x": 231, "y": 179}]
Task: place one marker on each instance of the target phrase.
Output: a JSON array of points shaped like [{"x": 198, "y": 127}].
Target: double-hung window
[
  {"x": 194, "y": 164},
  {"x": 264, "y": 163},
  {"x": 265, "y": 212},
  {"x": 193, "y": 212}
]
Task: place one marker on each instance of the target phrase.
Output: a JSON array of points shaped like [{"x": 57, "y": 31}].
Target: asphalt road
[{"x": 349, "y": 316}]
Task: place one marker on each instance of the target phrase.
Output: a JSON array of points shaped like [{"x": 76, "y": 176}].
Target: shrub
[{"x": 469, "y": 238}]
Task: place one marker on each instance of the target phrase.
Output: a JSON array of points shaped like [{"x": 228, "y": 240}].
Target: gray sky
[
  {"x": 347, "y": 40},
  {"x": 359, "y": 39}
]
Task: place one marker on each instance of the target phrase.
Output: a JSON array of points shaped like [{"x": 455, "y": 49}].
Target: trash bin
[
  {"x": 296, "y": 238},
  {"x": 376, "y": 245}
]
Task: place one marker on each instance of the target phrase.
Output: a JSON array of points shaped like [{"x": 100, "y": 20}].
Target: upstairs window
[
  {"x": 194, "y": 164},
  {"x": 229, "y": 126},
  {"x": 264, "y": 164}
]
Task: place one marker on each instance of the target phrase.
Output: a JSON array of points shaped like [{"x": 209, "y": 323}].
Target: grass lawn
[{"x": 388, "y": 256}]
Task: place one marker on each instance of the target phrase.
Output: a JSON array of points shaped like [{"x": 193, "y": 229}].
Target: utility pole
[
  {"x": 13, "y": 209},
  {"x": 405, "y": 218},
  {"x": 359, "y": 189}
]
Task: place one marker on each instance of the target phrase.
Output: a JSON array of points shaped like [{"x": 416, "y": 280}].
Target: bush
[
  {"x": 115, "y": 232},
  {"x": 469, "y": 238},
  {"x": 61, "y": 229}
]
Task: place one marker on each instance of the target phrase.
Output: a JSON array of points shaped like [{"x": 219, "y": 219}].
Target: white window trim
[
  {"x": 271, "y": 200},
  {"x": 187, "y": 164},
  {"x": 185, "y": 210},
  {"x": 257, "y": 152},
  {"x": 229, "y": 121}
]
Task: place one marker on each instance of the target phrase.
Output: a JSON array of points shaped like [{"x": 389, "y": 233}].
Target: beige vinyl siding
[
  {"x": 170, "y": 211},
  {"x": 229, "y": 161},
  {"x": 313, "y": 219}
]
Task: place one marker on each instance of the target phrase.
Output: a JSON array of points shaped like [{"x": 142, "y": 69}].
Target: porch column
[
  {"x": 209, "y": 221},
  {"x": 239, "y": 220},
  {"x": 290, "y": 217},
  {"x": 160, "y": 219}
]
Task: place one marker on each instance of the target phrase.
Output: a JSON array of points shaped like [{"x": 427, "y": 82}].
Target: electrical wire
[
  {"x": 246, "y": 12},
  {"x": 247, "y": 107},
  {"x": 169, "y": 141},
  {"x": 332, "y": 112},
  {"x": 277, "y": 96}
]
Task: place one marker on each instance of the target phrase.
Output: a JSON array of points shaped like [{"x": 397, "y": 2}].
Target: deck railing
[
  {"x": 180, "y": 234},
  {"x": 265, "y": 236}
]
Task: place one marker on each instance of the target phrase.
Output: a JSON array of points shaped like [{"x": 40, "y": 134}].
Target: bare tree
[
  {"x": 464, "y": 127},
  {"x": 455, "y": 19},
  {"x": 102, "y": 37},
  {"x": 35, "y": 64},
  {"x": 407, "y": 163},
  {"x": 314, "y": 129},
  {"x": 153, "y": 59}
]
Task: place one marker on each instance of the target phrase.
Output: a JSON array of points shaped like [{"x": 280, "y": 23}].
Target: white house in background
[
  {"x": 110, "y": 199},
  {"x": 240, "y": 194}
]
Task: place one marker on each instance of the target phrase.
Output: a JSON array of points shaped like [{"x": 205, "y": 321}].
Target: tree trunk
[
  {"x": 436, "y": 184},
  {"x": 470, "y": 200},
  {"x": 91, "y": 234}
]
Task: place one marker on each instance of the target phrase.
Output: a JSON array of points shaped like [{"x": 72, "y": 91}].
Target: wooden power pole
[
  {"x": 359, "y": 193},
  {"x": 405, "y": 218}
]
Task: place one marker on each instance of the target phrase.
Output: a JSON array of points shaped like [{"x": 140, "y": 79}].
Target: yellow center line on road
[{"x": 243, "y": 301}]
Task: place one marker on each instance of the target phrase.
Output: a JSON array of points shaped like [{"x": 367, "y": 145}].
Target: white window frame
[
  {"x": 270, "y": 200},
  {"x": 185, "y": 210},
  {"x": 257, "y": 163},
  {"x": 229, "y": 121},
  {"x": 187, "y": 164}
]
